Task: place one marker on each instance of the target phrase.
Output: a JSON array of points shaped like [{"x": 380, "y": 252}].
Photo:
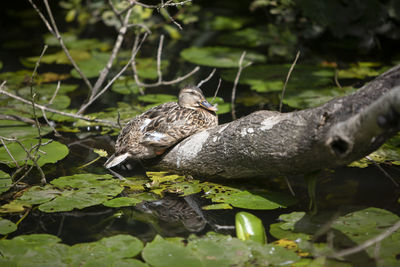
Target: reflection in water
[{"x": 172, "y": 209}]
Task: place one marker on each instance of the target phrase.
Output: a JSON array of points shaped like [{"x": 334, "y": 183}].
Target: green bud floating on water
[{"x": 249, "y": 227}]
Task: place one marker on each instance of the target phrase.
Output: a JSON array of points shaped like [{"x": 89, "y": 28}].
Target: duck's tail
[{"x": 115, "y": 159}]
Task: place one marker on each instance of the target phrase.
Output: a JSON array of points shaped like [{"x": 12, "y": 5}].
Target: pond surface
[{"x": 82, "y": 202}]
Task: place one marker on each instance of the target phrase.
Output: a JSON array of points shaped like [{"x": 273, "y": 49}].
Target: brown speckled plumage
[{"x": 159, "y": 128}]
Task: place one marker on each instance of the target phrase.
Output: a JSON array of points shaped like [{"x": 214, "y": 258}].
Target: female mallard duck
[{"x": 151, "y": 133}]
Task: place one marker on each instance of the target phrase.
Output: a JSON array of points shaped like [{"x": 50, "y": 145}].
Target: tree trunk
[{"x": 267, "y": 143}]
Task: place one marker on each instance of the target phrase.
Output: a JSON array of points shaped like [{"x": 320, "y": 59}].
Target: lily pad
[
  {"x": 247, "y": 200},
  {"x": 147, "y": 67},
  {"x": 269, "y": 78},
  {"x": 281, "y": 40},
  {"x": 7, "y": 226},
  {"x": 5, "y": 182},
  {"x": 49, "y": 153},
  {"x": 92, "y": 66},
  {"x": 71, "y": 192},
  {"x": 361, "y": 70},
  {"x": 361, "y": 225},
  {"x": 157, "y": 98},
  {"x": 228, "y": 23},
  {"x": 388, "y": 153},
  {"x": 72, "y": 41},
  {"x": 210, "y": 250},
  {"x": 58, "y": 58},
  {"x": 125, "y": 85},
  {"x": 122, "y": 202},
  {"x": 46, "y": 250},
  {"x": 218, "y": 56}
]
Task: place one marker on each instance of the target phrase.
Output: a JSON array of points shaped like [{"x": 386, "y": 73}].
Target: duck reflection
[{"x": 173, "y": 210}]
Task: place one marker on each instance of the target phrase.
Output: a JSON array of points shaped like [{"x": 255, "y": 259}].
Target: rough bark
[{"x": 267, "y": 143}]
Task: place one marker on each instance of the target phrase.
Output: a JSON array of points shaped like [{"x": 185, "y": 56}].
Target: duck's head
[{"x": 192, "y": 97}]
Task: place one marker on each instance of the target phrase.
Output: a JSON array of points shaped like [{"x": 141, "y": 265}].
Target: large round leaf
[
  {"x": 49, "y": 153},
  {"x": 222, "y": 57}
]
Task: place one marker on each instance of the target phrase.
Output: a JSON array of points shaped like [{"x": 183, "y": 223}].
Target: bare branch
[
  {"x": 8, "y": 151},
  {"x": 54, "y": 31},
  {"x": 206, "y": 79},
  {"x": 216, "y": 91},
  {"x": 104, "y": 72},
  {"x": 159, "y": 52},
  {"x": 233, "y": 96},
  {"x": 287, "y": 79},
  {"x": 110, "y": 123},
  {"x": 83, "y": 107},
  {"x": 55, "y": 93},
  {"x": 159, "y": 82}
]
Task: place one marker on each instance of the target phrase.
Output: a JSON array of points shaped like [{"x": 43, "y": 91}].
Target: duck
[{"x": 150, "y": 134}]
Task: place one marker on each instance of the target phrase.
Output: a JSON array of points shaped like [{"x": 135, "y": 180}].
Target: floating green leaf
[
  {"x": 5, "y": 182},
  {"x": 359, "y": 226},
  {"x": 281, "y": 40},
  {"x": 122, "y": 202},
  {"x": 72, "y": 41},
  {"x": 211, "y": 250},
  {"x": 247, "y": 200},
  {"x": 82, "y": 190},
  {"x": 49, "y": 153},
  {"x": 71, "y": 192},
  {"x": 147, "y": 67},
  {"x": 7, "y": 226},
  {"x": 45, "y": 250},
  {"x": 92, "y": 66},
  {"x": 388, "y": 153},
  {"x": 58, "y": 58},
  {"x": 222, "y": 57},
  {"x": 16, "y": 79},
  {"x": 268, "y": 78},
  {"x": 157, "y": 98},
  {"x": 228, "y": 23},
  {"x": 160, "y": 252},
  {"x": 125, "y": 85},
  {"x": 361, "y": 70}
]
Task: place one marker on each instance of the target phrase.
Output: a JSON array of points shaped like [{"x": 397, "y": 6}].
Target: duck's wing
[{"x": 173, "y": 126}]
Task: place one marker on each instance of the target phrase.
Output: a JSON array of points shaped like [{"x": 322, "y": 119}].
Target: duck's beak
[{"x": 205, "y": 104}]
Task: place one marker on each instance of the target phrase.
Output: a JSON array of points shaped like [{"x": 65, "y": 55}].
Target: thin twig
[
  {"x": 159, "y": 52},
  {"x": 110, "y": 123},
  {"x": 55, "y": 93},
  {"x": 169, "y": 16},
  {"x": 287, "y": 79},
  {"x": 54, "y": 31},
  {"x": 336, "y": 78},
  {"x": 206, "y": 79},
  {"x": 216, "y": 91},
  {"x": 8, "y": 152},
  {"x": 158, "y": 83},
  {"x": 34, "y": 158},
  {"x": 233, "y": 96},
  {"x": 104, "y": 72},
  {"x": 56, "y": 133},
  {"x": 368, "y": 242},
  {"x": 83, "y": 107}
]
